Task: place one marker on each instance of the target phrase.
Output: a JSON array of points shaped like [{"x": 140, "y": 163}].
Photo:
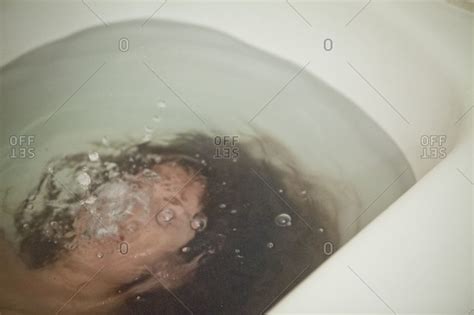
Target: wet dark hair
[{"x": 248, "y": 260}]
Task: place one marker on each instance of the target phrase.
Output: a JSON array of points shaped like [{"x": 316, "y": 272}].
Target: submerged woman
[{"x": 164, "y": 229}]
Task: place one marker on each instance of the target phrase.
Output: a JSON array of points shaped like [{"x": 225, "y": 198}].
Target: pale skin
[{"x": 86, "y": 280}]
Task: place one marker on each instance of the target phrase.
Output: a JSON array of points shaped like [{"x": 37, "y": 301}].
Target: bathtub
[{"x": 407, "y": 65}]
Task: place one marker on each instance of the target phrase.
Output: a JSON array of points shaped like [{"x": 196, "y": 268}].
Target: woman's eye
[
  {"x": 165, "y": 216},
  {"x": 199, "y": 222}
]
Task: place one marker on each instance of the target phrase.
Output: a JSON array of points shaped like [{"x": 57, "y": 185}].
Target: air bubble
[
  {"x": 161, "y": 105},
  {"x": 93, "y": 156},
  {"x": 84, "y": 179},
  {"x": 321, "y": 230},
  {"x": 26, "y": 225},
  {"x": 165, "y": 216},
  {"x": 283, "y": 220},
  {"x": 69, "y": 234},
  {"x": 163, "y": 275},
  {"x": 100, "y": 255},
  {"x": 105, "y": 141},
  {"x": 222, "y": 206},
  {"x": 303, "y": 192},
  {"x": 233, "y": 211},
  {"x": 90, "y": 200},
  {"x": 150, "y": 174},
  {"x": 110, "y": 165},
  {"x": 270, "y": 245},
  {"x": 186, "y": 249},
  {"x": 146, "y": 137},
  {"x": 280, "y": 191},
  {"x": 199, "y": 222}
]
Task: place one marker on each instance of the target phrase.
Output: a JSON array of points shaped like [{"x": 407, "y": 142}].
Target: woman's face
[{"x": 137, "y": 226}]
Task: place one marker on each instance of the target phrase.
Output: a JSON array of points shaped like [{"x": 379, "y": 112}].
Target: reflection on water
[
  {"x": 117, "y": 214},
  {"x": 167, "y": 232}
]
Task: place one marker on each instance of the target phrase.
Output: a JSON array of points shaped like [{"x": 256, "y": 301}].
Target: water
[{"x": 177, "y": 78}]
